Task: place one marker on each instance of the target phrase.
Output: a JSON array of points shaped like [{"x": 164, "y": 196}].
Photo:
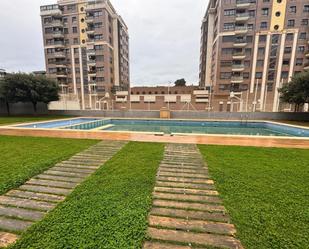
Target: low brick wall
[{"x": 23, "y": 109}]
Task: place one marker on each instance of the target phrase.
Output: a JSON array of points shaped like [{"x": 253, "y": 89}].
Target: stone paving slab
[
  {"x": 189, "y": 205},
  {"x": 29, "y": 203},
  {"x": 76, "y": 166},
  {"x": 203, "y": 239},
  {"x": 192, "y": 225},
  {"x": 181, "y": 174},
  {"x": 184, "y": 197},
  {"x": 184, "y": 179},
  {"x": 26, "y": 203},
  {"x": 182, "y": 170},
  {"x": 187, "y": 211},
  {"x": 7, "y": 239},
  {"x": 21, "y": 213},
  {"x": 191, "y": 215},
  {"x": 74, "y": 170},
  {"x": 35, "y": 196},
  {"x": 186, "y": 185},
  {"x": 50, "y": 183},
  {"x": 186, "y": 191},
  {"x": 14, "y": 225},
  {"x": 62, "y": 173},
  {"x": 47, "y": 190},
  {"x": 59, "y": 178}
]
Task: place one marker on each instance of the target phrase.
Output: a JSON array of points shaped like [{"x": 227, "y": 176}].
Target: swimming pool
[{"x": 262, "y": 128}]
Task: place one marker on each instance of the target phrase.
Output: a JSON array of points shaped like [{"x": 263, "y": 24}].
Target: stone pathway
[
  {"x": 187, "y": 211},
  {"x": 21, "y": 207}
]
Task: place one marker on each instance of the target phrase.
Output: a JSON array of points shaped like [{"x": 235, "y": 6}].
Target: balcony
[
  {"x": 58, "y": 34},
  {"x": 306, "y": 66},
  {"x": 59, "y": 55},
  {"x": 242, "y": 17},
  {"x": 238, "y": 68},
  {"x": 56, "y": 44},
  {"x": 94, "y": 5},
  {"x": 240, "y": 43},
  {"x": 90, "y": 31},
  {"x": 241, "y": 30},
  {"x": 307, "y": 54},
  {"x": 91, "y": 62},
  {"x": 50, "y": 10},
  {"x": 242, "y": 4},
  {"x": 239, "y": 56},
  {"x": 91, "y": 51},
  {"x": 92, "y": 73},
  {"x": 61, "y": 74},
  {"x": 54, "y": 23},
  {"x": 89, "y": 19},
  {"x": 237, "y": 79}
]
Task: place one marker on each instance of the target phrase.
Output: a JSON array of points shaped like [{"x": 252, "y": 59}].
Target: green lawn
[
  {"x": 23, "y": 157},
  {"x": 21, "y": 119},
  {"x": 109, "y": 210},
  {"x": 266, "y": 191}
]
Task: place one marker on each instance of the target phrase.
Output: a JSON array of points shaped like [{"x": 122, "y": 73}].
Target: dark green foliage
[
  {"x": 266, "y": 193},
  {"x": 180, "y": 82},
  {"x": 109, "y": 210},
  {"x": 296, "y": 91},
  {"x": 21, "y": 87}
]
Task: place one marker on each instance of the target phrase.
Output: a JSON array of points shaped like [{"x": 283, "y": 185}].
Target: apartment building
[
  {"x": 86, "y": 47},
  {"x": 249, "y": 48}
]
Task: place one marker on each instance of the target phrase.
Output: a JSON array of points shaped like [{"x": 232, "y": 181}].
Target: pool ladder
[{"x": 244, "y": 118}]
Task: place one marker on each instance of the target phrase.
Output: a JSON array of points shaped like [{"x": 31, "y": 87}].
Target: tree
[
  {"x": 3, "y": 97},
  {"x": 296, "y": 91},
  {"x": 21, "y": 87},
  {"x": 180, "y": 82}
]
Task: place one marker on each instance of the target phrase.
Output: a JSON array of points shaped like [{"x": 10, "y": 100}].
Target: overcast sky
[{"x": 164, "y": 37}]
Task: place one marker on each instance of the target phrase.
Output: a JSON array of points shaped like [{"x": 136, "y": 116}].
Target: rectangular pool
[{"x": 262, "y": 128}]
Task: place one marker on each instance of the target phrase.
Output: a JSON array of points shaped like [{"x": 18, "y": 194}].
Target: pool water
[
  {"x": 59, "y": 123},
  {"x": 175, "y": 126}
]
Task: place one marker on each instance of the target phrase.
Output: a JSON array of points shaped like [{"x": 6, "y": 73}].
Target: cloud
[{"x": 164, "y": 37}]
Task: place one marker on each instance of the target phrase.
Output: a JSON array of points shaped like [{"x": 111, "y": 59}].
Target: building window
[
  {"x": 284, "y": 75},
  {"x": 287, "y": 50},
  {"x": 225, "y": 75},
  {"x": 265, "y": 11},
  {"x": 292, "y": 9},
  {"x": 258, "y": 75},
  {"x": 286, "y": 62},
  {"x": 299, "y": 62},
  {"x": 75, "y": 41},
  {"x": 262, "y": 38},
  {"x": 301, "y": 49},
  {"x": 305, "y": 22},
  {"x": 263, "y": 25},
  {"x": 74, "y": 30},
  {"x": 71, "y": 7},
  {"x": 306, "y": 8},
  {"x": 289, "y": 37},
  {"x": 303, "y": 36},
  {"x": 228, "y": 26},
  {"x": 291, "y": 23},
  {"x": 229, "y": 12},
  {"x": 261, "y": 51}
]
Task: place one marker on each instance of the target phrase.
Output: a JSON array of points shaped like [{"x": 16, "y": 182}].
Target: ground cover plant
[
  {"x": 109, "y": 210},
  {"x": 23, "y": 157},
  {"x": 266, "y": 191}
]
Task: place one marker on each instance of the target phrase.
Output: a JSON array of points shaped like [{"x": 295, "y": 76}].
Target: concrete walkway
[
  {"x": 187, "y": 211},
  {"x": 22, "y": 207}
]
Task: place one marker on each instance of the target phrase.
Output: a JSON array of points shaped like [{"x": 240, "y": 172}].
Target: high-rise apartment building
[
  {"x": 249, "y": 48},
  {"x": 86, "y": 49}
]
